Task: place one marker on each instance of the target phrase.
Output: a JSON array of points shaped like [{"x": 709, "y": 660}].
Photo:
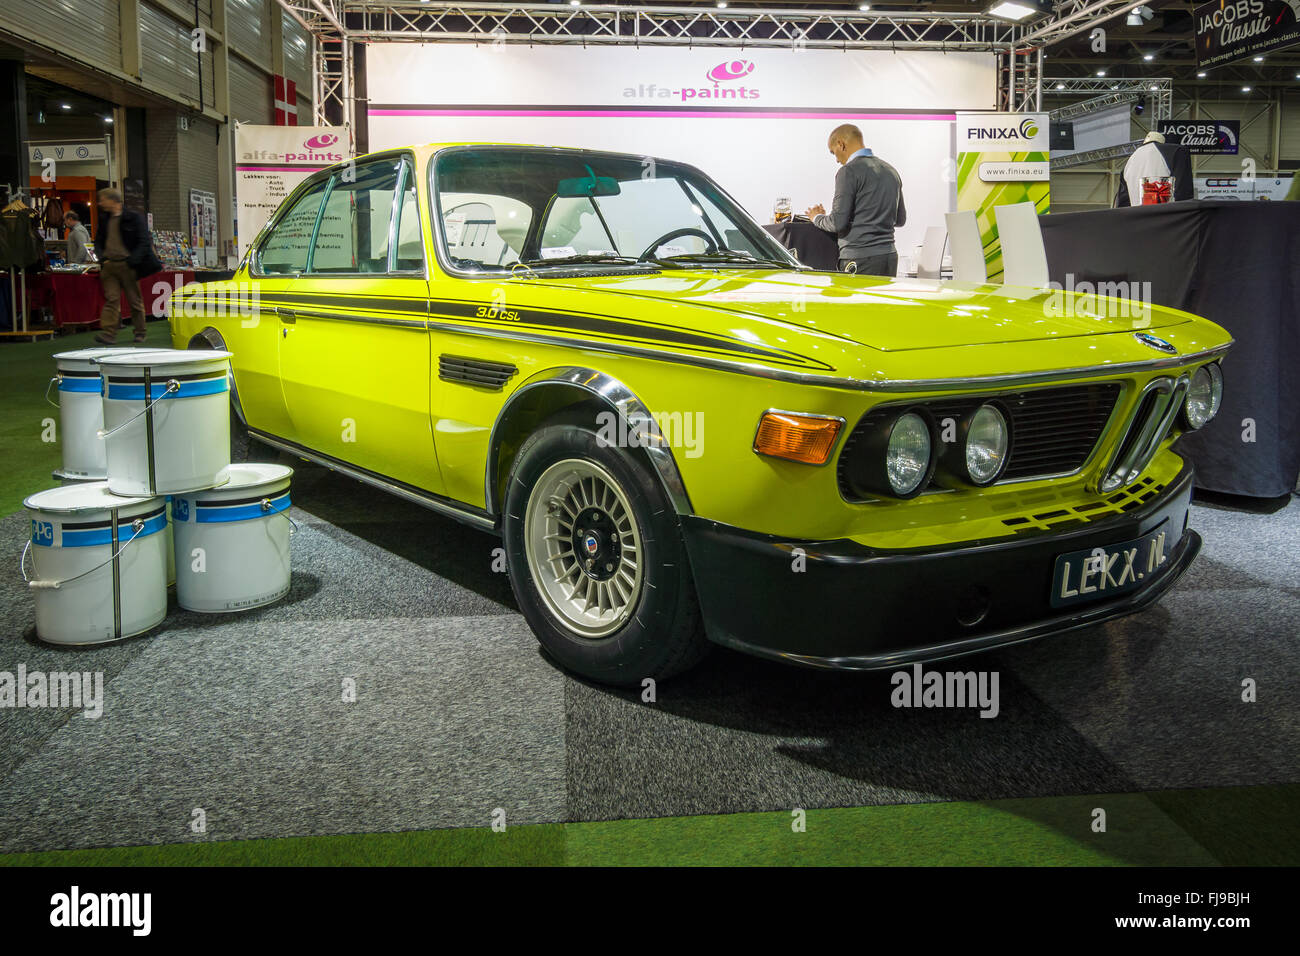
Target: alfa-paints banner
[
  {"x": 271, "y": 160},
  {"x": 1002, "y": 158}
]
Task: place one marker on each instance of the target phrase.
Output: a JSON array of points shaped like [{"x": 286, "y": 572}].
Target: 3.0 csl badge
[{"x": 1155, "y": 342}]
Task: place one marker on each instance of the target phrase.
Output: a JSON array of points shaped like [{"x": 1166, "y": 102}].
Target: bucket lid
[
  {"x": 85, "y": 497},
  {"x": 164, "y": 359},
  {"x": 245, "y": 477},
  {"x": 88, "y": 355}
]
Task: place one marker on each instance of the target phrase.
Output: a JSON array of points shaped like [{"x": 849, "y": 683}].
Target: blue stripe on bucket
[
  {"x": 208, "y": 514},
  {"x": 81, "y": 385},
  {"x": 97, "y": 536},
  {"x": 129, "y": 393}
]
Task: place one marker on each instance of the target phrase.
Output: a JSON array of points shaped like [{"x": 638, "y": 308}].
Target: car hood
[{"x": 887, "y": 315}]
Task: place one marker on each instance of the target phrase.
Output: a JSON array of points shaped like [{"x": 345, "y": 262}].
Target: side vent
[{"x": 468, "y": 371}]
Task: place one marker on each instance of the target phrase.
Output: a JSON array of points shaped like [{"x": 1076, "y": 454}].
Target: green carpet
[
  {"x": 25, "y": 370},
  {"x": 1236, "y": 826}
]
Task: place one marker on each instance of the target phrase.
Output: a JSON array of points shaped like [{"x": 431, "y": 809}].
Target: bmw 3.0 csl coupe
[{"x": 683, "y": 436}]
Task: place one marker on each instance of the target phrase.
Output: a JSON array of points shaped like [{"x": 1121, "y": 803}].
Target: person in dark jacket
[
  {"x": 868, "y": 206},
  {"x": 123, "y": 245}
]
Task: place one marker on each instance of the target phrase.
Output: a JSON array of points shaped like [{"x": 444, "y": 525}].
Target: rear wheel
[{"x": 596, "y": 558}]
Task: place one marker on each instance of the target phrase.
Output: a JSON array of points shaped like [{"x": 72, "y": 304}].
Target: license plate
[{"x": 1109, "y": 570}]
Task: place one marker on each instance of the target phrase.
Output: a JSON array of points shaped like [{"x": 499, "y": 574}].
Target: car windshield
[{"x": 502, "y": 208}]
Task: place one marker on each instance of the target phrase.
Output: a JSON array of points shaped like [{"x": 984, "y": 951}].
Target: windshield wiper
[
  {"x": 578, "y": 260},
  {"x": 717, "y": 257}
]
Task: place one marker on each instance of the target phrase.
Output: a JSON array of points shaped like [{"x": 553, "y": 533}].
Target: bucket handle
[
  {"x": 137, "y": 526},
  {"x": 293, "y": 525},
  {"x": 172, "y": 386},
  {"x": 57, "y": 378}
]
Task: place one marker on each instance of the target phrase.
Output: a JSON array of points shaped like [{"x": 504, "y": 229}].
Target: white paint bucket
[
  {"x": 166, "y": 420},
  {"x": 81, "y": 413},
  {"x": 232, "y": 542},
  {"x": 99, "y": 563}
]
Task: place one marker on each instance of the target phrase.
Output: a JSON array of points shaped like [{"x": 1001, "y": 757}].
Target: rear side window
[
  {"x": 354, "y": 227},
  {"x": 285, "y": 250}
]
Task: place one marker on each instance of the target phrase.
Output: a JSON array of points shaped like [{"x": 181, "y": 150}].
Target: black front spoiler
[{"x": 856, "y": 608}]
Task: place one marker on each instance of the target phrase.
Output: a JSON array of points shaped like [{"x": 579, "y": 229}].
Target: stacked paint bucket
[{"x": 141, "y": 428}]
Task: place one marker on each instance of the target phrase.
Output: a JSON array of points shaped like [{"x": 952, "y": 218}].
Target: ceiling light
[
  {"x": 1061, "y": 86},
  {"x": 1148, "y": 57},
  {"x": 1200, "y": 76},
  {"x": 722, "y": 4},
  {"x": 864, "y": 7},
  {"x": 1152, "y": 87},
  {"x": 1018, "y": 10},
  {"x": 64, "y": 106},
  {"x": 1138, "y": 15},
  {"x": 108, "y": 119},
  {"x": 1101, "y": 72},
  {"x": 1245, "y": 89},
  {"x": 1259, "y": 59}
]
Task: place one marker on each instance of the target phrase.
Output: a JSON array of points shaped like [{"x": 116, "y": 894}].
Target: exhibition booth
[{"x": 518, "y": 441}]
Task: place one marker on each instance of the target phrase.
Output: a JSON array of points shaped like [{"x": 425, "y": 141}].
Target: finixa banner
[
  {"x": 271, "y": 160},
  {"x": 1002, "y": 158},
  {"x": 1228, "y": 30}
]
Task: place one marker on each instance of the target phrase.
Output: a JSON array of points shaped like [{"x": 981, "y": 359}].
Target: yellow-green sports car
[{"x": 683, "y": 436}]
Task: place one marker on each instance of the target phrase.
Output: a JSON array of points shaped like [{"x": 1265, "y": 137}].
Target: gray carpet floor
[{"x": 458, "y": 713}]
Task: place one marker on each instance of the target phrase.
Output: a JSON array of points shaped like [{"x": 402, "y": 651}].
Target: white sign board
[
  {"x": 203, "y": 228},
  {"x": 96, "y": 152},
  {"x": 1003, "y": 133},
  {"x": 757, "y": 121},
  {"x": 271, "y": 160},
  {"x": 1259, "y": 188}
]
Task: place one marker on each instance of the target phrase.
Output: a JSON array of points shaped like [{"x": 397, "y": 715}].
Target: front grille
[
  {"x": 1053, "y": 430},
  {"x": 468, "y": 371}
]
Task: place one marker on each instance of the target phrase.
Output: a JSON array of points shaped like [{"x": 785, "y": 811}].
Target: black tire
[
  {"x": 664, "y": 634},
  {"x": 241, "y": 443}
]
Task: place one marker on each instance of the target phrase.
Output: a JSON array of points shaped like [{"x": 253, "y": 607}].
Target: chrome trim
[
  {"x": 418, "y": 325},
  {"x": 753, "y": 446},
  {"x": 824, "y": 381},
  {"x": 1152, "y": 433},
  {"x": 623, "y": 401},
  {"x": 432, "y": 502}
]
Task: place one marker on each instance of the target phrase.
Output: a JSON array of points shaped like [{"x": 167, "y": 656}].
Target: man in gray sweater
[{"x": 867, "y": 207}]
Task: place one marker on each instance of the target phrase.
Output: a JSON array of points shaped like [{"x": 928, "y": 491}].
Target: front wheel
[{"x": 597, "y": 561}]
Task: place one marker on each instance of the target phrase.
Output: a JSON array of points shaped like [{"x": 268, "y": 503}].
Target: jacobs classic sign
[
  {"x": 1228, "y": 30},
  {"x": 1203, "y": 137}
]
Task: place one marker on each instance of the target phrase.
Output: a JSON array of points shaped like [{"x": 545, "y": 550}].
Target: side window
[
  {"x": 353, "y": 234},
  {"x": 284, "y": 252},
  {"x": 410, "y": 238}
]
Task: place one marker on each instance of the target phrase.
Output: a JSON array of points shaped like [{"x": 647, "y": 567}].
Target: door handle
[{"x": 287, "y": 315}]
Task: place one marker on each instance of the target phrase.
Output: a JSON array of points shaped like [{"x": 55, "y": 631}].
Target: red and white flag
[{"x": 286, "y": 101}]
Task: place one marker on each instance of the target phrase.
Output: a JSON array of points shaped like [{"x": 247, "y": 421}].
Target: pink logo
[
  {"x": 731, "y": 70},
  {"x": 322, "y": 141}
]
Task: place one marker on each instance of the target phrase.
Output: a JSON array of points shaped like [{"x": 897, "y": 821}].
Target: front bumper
[{"x": 857, "y": 608}]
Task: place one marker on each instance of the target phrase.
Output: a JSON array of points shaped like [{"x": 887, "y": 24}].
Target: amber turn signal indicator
[{"x": 803, "y": 438}]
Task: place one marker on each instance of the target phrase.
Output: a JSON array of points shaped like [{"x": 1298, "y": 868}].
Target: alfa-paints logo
[
  {"x": 322, "y": 141},
  {"x": 726, "y": 73},
  {"x": 314, "y": 150}
]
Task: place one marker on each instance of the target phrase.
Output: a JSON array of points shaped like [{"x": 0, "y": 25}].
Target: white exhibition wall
[{"x": 756, "y": 121}]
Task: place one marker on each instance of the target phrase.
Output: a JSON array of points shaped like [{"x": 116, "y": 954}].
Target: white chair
[
  {"x": 967, "y": 249},
  {"x": 931, "y": 261},
  {"x": 1024, "y": 258}
]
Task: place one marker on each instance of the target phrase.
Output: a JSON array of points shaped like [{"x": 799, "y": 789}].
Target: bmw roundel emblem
[
  {"x": 1155, "y": 342},
  {"x": 591, "y": 544}
]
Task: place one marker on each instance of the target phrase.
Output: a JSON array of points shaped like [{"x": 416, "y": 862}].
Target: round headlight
[
  {"x": 907, "y": 455},
  {"x": 1216, "y": 388},
  {"x": 1198, "y": 407},
  {"x": 986, "y": 445}
]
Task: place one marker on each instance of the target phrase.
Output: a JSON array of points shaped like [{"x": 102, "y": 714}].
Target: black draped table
[
  {"x": 815, "y": 248},
  {"x": 1237, "y": 264}
]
